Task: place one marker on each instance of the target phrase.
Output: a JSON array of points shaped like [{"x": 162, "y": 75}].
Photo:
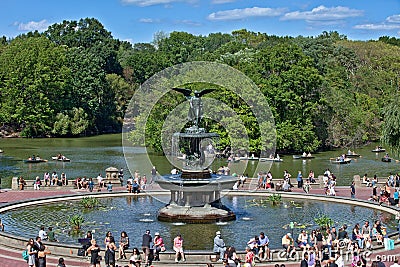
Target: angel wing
[
  {"x": 203, "y": 92},
  {"x": 184, "y": 91}
]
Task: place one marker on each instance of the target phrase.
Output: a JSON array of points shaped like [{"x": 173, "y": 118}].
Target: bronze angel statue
[{"x": 195, "y": 110}]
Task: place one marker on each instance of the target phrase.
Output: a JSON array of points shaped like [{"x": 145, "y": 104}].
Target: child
[
  {"x": 61, "y": 262},
  {"x": 249, "y": 259},
  {"x": 109, "y": 187}
]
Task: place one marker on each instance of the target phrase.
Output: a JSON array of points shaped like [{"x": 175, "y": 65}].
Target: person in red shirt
[{"x": 249, "y": 259}]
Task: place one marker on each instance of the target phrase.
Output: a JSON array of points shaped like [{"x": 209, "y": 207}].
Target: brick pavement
[{"x": 9, "y": 258}]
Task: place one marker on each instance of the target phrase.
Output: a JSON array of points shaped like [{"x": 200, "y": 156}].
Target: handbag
[{"x": 43, "y": 253}]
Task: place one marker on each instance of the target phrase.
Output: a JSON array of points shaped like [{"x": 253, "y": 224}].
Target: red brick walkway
[{"x": 10, "y": 258}]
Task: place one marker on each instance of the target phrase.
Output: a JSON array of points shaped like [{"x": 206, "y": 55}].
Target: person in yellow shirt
[{"x": 288, "y": 244}]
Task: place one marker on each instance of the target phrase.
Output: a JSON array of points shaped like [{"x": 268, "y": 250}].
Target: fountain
[{"x": 195, "y": 191}]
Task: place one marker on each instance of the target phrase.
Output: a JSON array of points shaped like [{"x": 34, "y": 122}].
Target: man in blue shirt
[{"x": 263, "y": 246}]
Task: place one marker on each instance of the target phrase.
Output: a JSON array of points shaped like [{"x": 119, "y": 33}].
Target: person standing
[
  {"x": 299, "y": 180},
  {"x": 146, "y": 241},
  {"x": 304, "y": 262},
  {"x": 100, "y": 182},
  {"x": 219, "y": 245},
  {"x": 40, "y": 260},
  {"x": 94, "y": 251},
  {"x": 353, "y": 190},
  {"x": 91, "y": 185},
  {"x": 178, "y": 248},
  {"x": 109, "y": 187},
  {"x": 31, "y": 252},
  {"x": 153, "y": 174},
  {"x": 121, "y": 176},
  {"x": 109, "y": 256}
]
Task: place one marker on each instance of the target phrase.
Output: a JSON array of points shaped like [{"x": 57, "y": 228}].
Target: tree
[
  {"x": 72, "y": 123},
  {"x": 89, "y": 89},
  {"x": 33, "y": 75},
  {"x": 90, "y": 35},
  {"x": 391, "y": 123}
]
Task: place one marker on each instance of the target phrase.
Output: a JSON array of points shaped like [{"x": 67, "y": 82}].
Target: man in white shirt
[
  {"x": 42, "y": 233},
  {"x": 100, "y": 180}
]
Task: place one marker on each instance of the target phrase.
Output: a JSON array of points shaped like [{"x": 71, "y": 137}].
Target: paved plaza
[{"x": 12, "y": 258}]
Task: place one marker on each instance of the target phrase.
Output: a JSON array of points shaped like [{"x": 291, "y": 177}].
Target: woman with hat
[{"x": 158, "y": 246}]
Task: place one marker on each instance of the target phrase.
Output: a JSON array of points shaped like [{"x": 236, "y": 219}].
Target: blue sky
[{"x": 138, "y": 20}]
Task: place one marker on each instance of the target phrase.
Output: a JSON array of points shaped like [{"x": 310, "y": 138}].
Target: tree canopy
[{"x": 323, "y": 91}]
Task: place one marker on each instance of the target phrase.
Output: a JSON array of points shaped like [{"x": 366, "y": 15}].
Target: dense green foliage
[{"x": 324, "y": 91}]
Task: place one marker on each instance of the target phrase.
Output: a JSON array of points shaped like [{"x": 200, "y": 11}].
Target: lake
[{"x": 92, "y": 155}]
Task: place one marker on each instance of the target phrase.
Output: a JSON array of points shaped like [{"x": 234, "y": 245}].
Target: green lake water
[{"x": 92, "y": 155}]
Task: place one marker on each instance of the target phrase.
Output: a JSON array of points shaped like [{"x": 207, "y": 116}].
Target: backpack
[{"x": 25, "y": 255}]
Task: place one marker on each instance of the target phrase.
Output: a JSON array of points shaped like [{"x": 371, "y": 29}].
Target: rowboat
[
  {"x": 1, "y": 151},
  {"x": 302, "y": 157},
  {"x": 271, "y": 159},
  {"x": 248, "y": 158},
  {"x": 344, "y": 161},
  {"x": 384, "y": 159},
  {"x": 30, "y": 160},
  {"x": 353, "y": 155},
  {"x": 63, "y": 159},
  {"x": 378, "y": 150}
]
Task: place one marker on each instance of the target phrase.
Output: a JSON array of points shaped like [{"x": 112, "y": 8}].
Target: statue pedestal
[{"x": 196, "y": 200}]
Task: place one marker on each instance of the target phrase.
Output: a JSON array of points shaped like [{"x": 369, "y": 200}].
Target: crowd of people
[
  {"x": 115, "y": 250},
  {"x": 37, "y": 252},
  {"x": 323, "y": 246},
  {"x": 48, "y": 180},
  {"x": 319, "y": 247}
]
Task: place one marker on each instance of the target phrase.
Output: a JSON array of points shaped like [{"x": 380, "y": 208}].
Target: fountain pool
[{"x": 135, "y": 214}]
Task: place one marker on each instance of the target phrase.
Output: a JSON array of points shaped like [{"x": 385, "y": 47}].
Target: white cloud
[
  {"x": 217, "y": 2},
  {"x": 143, "y": 3},
  {"x": 188, "y": 22},
  {"x": 323, "y": 13},
  {"x": 33, "y": 25},
  {"x": 235, "y": 14},
  {"x": 390, "y": 23},
  {"x": 375, "y": 27},
  {"x": 149, "y": 20},
  {"x": 393, "y": 19}
]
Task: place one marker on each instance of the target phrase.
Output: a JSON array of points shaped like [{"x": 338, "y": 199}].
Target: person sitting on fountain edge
[{"x": 219, "y": 245}]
